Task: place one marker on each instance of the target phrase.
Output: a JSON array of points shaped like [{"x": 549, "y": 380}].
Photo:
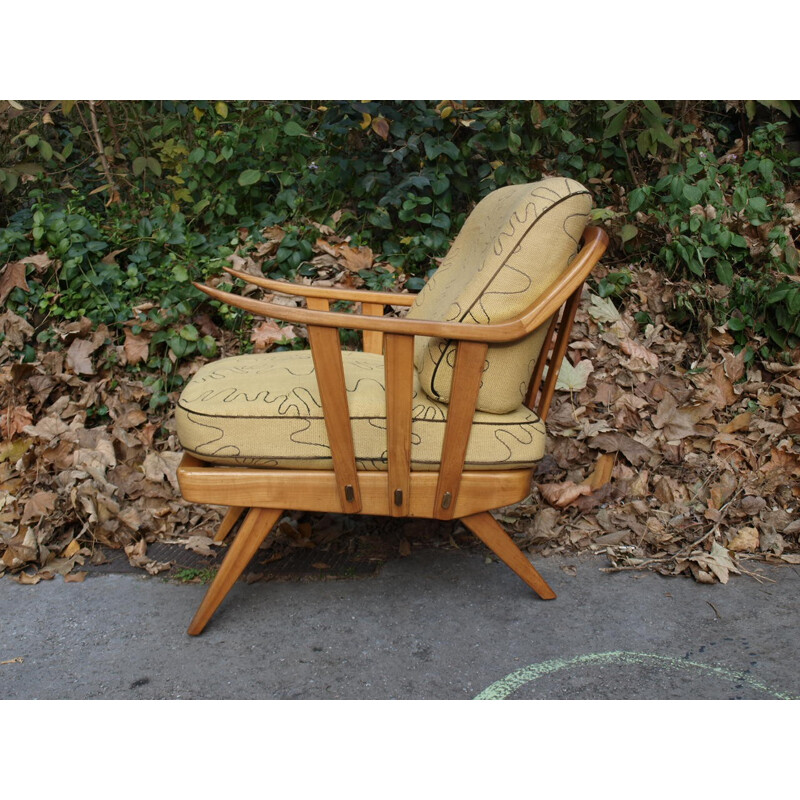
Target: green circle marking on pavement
[{"x": 501, "y": 689}]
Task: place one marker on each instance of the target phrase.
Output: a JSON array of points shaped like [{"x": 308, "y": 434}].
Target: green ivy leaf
[
  {"x": 724, "y": 273},
  {"x": 628, "y": 232},
  {"x": 180, "y": 274},
  {"x": 441, "y": 221},
  {"x": 736, "y": 324},
  {"x": 207, "y": 347},
  {"x": 636, "y": 199},
  {"x": 692, "y": 193},
  {"x": 615, "y": 126},
  {"x": 189, "y": 333},
  {"x": 291, "y": 128},
  {"x": 449, "y": 149},
  {"x": 249, "y": 177}
]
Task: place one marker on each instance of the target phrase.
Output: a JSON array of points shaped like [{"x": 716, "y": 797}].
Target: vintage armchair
[{"x": 442, "y": 414}]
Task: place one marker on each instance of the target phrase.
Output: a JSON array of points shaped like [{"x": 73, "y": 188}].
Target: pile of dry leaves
[{"x": 663, "y": 455}]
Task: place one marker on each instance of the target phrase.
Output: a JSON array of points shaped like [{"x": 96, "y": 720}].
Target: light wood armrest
[
  {"x": 362, "y": 322},
  {"x": 328, "y": 292},
  {"x": 595, "y": 242}
]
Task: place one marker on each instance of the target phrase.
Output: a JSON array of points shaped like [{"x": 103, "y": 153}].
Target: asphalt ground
[{"x": 438, "y": 624}]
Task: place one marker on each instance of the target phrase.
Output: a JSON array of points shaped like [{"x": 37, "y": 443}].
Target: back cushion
[{"x": 514, "y": 244}]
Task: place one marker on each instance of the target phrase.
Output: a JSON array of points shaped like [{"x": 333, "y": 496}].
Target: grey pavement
[{"x": 435, "y": 625}]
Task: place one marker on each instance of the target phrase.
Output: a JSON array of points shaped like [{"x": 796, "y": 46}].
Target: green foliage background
[{"x": 134, "y": 200}]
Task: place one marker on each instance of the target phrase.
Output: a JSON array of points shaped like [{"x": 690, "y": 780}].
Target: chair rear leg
[
  {"x": 234, "y": 512},
  {"x": 257, "y": 524},
  {"x": 489, "y": 531}
]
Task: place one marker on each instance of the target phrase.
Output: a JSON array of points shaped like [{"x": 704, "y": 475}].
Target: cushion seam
[
  {"x": 376, "y": 458},
  {"x": 292, "y": 417}
]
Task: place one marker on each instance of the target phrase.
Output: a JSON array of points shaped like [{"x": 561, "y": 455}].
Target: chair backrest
[{"x": 513, "y": 245}]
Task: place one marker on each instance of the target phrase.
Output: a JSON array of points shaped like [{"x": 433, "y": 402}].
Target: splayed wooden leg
[
  {"x": 234, "y": 512},
  {"x": 257, "y": 524},
  {"x": 489, "y": 531}
]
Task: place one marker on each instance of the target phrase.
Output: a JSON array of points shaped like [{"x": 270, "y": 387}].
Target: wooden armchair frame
[{"x": 450, "y": 493}]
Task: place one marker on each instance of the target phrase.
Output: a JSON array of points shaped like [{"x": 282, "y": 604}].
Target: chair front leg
[
  {"x": 234, "y": 512},
  {"x": 257, "y": 524},
  {"x": 489, "y": 531}
]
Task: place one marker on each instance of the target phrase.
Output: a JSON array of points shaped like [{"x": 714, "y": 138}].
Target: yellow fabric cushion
[
  {"x": 264, "y": 410},
  {"x": 514, "y": 244}
]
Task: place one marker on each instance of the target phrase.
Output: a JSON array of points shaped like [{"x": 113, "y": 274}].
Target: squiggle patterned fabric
[
  {"x": 265, "y": 411},
  {"x": 514, "y": 244}
]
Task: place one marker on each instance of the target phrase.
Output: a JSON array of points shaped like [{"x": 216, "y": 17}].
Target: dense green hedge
[{"x": 696, "y": 189}]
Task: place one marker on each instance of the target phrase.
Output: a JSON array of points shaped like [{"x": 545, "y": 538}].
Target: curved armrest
[
  {"x": 595, "y": 242},
  {"x": 361, "y": 322},
  {"x": 327, "y": 292}
]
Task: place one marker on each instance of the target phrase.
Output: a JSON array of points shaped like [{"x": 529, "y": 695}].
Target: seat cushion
[
  {"x": 264, "y": 410},
  {"x": 514, "y": 244}
]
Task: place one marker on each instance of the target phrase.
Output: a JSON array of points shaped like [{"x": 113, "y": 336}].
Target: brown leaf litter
[
  {"x": 664, "y": 453},
  {"x": 708, "y": 469}
]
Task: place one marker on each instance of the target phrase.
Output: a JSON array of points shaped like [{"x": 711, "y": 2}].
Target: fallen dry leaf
[
  {"x": 601, "y": 474},
  {"x": 40, "y": 504},
  {"x": 14, "y": 420},
  {"x": 669, "y": 491},
  {"x": 48, "y": 428},
  {"x": 158, "y": 466},
  {"x": 573, "y": 378},
  {"x": 642, "y": 359},
  {"x": 13, "y": 277},
  {"x": 718, "y": 561},
  {"x": 200, "y": 544},
  {"x": 137, "y": 347},
  {"x": 746, "y": 540},
  {"x": 78, "y": 356},
  {"x": 268, "y": 332},
  {"x": 357, "y": 258},
  {"x": 562, "y": 494},
  {"x": 25, "y": 579},
  {"x": 678, "y": 423},
  {"x": 634, "y": 451},
  {"x": 12, "y": 451},
  {"x": 545, "y": 525},
  {"x": 740, "y": 422},
  {"x": 601, "y": 309},
  {"x": 71, "y": 549},
  {"x": 381, "y": 126},
  {"x": 15, "y": 329}
]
